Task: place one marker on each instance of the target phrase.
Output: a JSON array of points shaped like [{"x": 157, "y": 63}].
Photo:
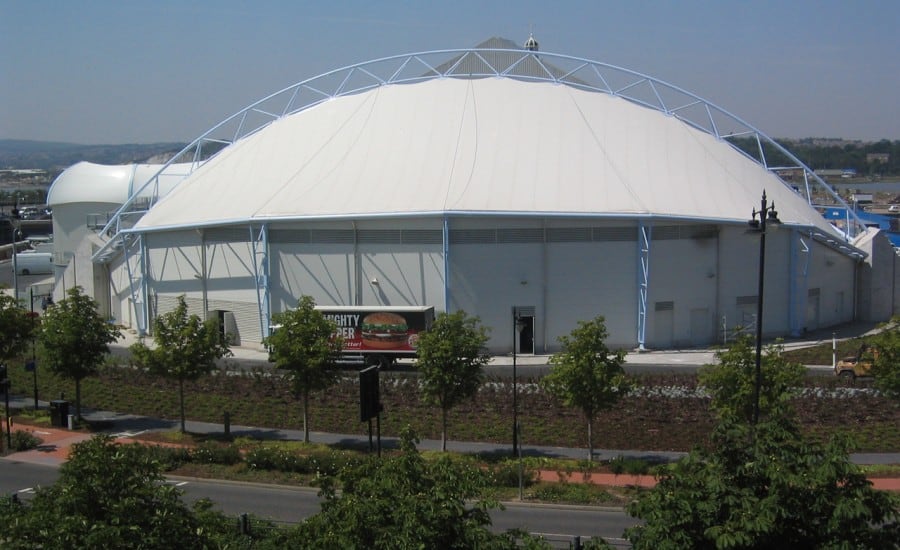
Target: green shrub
[
  {"x": 23, "y": 441},
  {"x": 628, "y": 465},
  {"x": 330, "y": 464},
  {"x": 506, "y": 474},
  {"x": 169, "y": 458},
  {"x": 213, "y": 453},
  {"x": 571, "y": 493},
  {"x": 274, "y": 458}
]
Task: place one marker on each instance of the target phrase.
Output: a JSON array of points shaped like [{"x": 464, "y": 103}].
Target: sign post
[{"x": 370, "y": 402}]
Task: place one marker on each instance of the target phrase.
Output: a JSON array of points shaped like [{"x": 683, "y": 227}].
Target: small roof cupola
[{"x": 531, "y": 44}]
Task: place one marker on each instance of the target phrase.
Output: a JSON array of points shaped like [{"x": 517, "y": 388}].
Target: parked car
[
  {"x": 34, "y": 263},
  {"x": 860, "y": 364}
]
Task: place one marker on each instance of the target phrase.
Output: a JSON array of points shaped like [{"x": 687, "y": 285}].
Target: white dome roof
[
  {"x": 86, "y": 182},
  {"x": 489, "y": 145}
]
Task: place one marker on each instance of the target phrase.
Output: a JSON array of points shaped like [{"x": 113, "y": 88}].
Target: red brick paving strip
[{"x": 56, "y": 445}]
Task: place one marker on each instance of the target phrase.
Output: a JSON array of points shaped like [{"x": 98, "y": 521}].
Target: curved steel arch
[{"x": 526, "y": 65}]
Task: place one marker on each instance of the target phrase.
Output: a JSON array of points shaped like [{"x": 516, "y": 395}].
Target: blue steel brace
[
  {"x": 260, "y": 242},
  {"x": 446, "y": 250},
  {"x": 643, "y": 269},
  {"x": 137, "y": 284}
]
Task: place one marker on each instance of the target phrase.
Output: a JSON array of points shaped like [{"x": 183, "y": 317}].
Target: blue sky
[{"x": 139, "y": 72}]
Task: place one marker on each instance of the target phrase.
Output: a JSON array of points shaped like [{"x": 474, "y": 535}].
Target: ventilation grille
[
  {"x": 473, "y": 236},
  {"x": 614, "y": 234},
  {"x": 671, "y": 232},
  {"x": 522, "y": 235},
  {"x": 665, "y": 306},
  {"x": 227, "y": 235},
  {"x": 525, "y": 311},
  {"x": 813, "y": 292},
  {"x": 470, "y": 236},
  {"x": 379, "y": 236},
  {"x": 746, "y": 300},
  {"x": 569, "y": 234},
  {"x": 331, "y": 236},
  {"x": 422, "y": 236},
  {"x": 289, "y": 236}
]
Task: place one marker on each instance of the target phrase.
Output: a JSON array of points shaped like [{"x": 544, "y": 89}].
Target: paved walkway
[{"x": 124, "y": 428}]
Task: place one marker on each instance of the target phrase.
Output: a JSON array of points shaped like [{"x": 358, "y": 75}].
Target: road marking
[
  {"x": 128, "y": 434},
  {"x": 176, "y": 483}
]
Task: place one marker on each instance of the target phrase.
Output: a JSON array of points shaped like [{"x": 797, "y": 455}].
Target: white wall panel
[
  {"x": 590, "y": 279},
  {"x": 489, "y": 279},
  {"x": 230, "y": 272},
  {"x": 405, "y": 275},
  {"x": 739, "y": 277},
  {"x": 832, "y": 273},
  {"x": 685, "y": 272},
  {"x": 323, "y": 271}
]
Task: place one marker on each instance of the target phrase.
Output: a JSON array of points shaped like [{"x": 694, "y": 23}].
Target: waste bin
[{"x": 59, "y": 413}]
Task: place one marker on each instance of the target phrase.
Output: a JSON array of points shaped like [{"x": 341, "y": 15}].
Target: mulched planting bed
[{"x": 668, "y": 414}]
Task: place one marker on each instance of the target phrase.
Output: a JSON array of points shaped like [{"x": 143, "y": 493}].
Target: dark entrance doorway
[{"x": 525, "y": 328}]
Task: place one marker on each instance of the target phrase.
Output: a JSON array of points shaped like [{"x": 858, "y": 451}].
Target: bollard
[
  {"x": 576, "y": 542},
  {"x": 244, "y": 524},
  {"x": 227, "y": 424},
  {"x": 71, "y": 421}
]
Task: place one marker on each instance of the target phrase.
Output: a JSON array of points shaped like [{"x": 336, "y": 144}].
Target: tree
[
  {"x": 186, "y": 348},
  {"x": 17, "y": 326},
  {"x": 586, "y": 374},
  {"x": 107, "y": 496},
  {"x": 451, "y": 358},
  {"x": 305, "y": 345},
  {"x": 885, "y": 357},
  {"x": 74, "y": 339},
  {"x": 732, "y": 381},
  {"x": 763, "y": 485},
  {"x": 406, "y": 502}
]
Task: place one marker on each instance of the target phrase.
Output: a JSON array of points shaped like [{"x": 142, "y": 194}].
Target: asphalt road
[{"x": 292, "y": 504}]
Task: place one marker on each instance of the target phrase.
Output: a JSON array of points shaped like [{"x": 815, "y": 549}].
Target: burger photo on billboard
[{"x": 384, "y": 330}]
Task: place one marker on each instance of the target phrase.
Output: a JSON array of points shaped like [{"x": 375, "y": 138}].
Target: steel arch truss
[{"x": 524, "y": 65}]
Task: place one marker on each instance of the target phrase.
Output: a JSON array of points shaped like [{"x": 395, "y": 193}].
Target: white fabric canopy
[
  {"x": 114, "y": 184},
  {"x": 477, "y": 146}
]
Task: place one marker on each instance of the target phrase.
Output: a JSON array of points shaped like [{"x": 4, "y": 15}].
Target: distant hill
[{"x": 55, "y": 156}]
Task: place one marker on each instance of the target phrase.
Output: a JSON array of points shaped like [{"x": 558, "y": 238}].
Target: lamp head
[{"x": 520, "y": 324}]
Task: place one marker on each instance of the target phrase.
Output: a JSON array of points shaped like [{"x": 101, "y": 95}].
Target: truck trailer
[{"x": 378, "y": 335}]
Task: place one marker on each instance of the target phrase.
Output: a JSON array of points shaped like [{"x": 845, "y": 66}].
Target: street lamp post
[
  {"x": 517, "y": 329},
  {"x": 767, "y": 214}
]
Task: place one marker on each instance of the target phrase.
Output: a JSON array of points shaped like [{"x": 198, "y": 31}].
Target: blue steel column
[
  {"x": 138, "y": 283},
  {"x": 145, "y": 286},
  {"x": 643, "y": 274},
  {"x": 260, "y": 243},
  {"x": 446, "y": 251}
]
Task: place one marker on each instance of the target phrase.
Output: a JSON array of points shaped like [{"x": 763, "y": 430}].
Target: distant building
[
  {"x": 826, "y": 173},
  {"x": 880, "y": 158}
]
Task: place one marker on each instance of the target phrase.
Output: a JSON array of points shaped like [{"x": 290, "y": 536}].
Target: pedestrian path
[{"x": 57, "y": 443}]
